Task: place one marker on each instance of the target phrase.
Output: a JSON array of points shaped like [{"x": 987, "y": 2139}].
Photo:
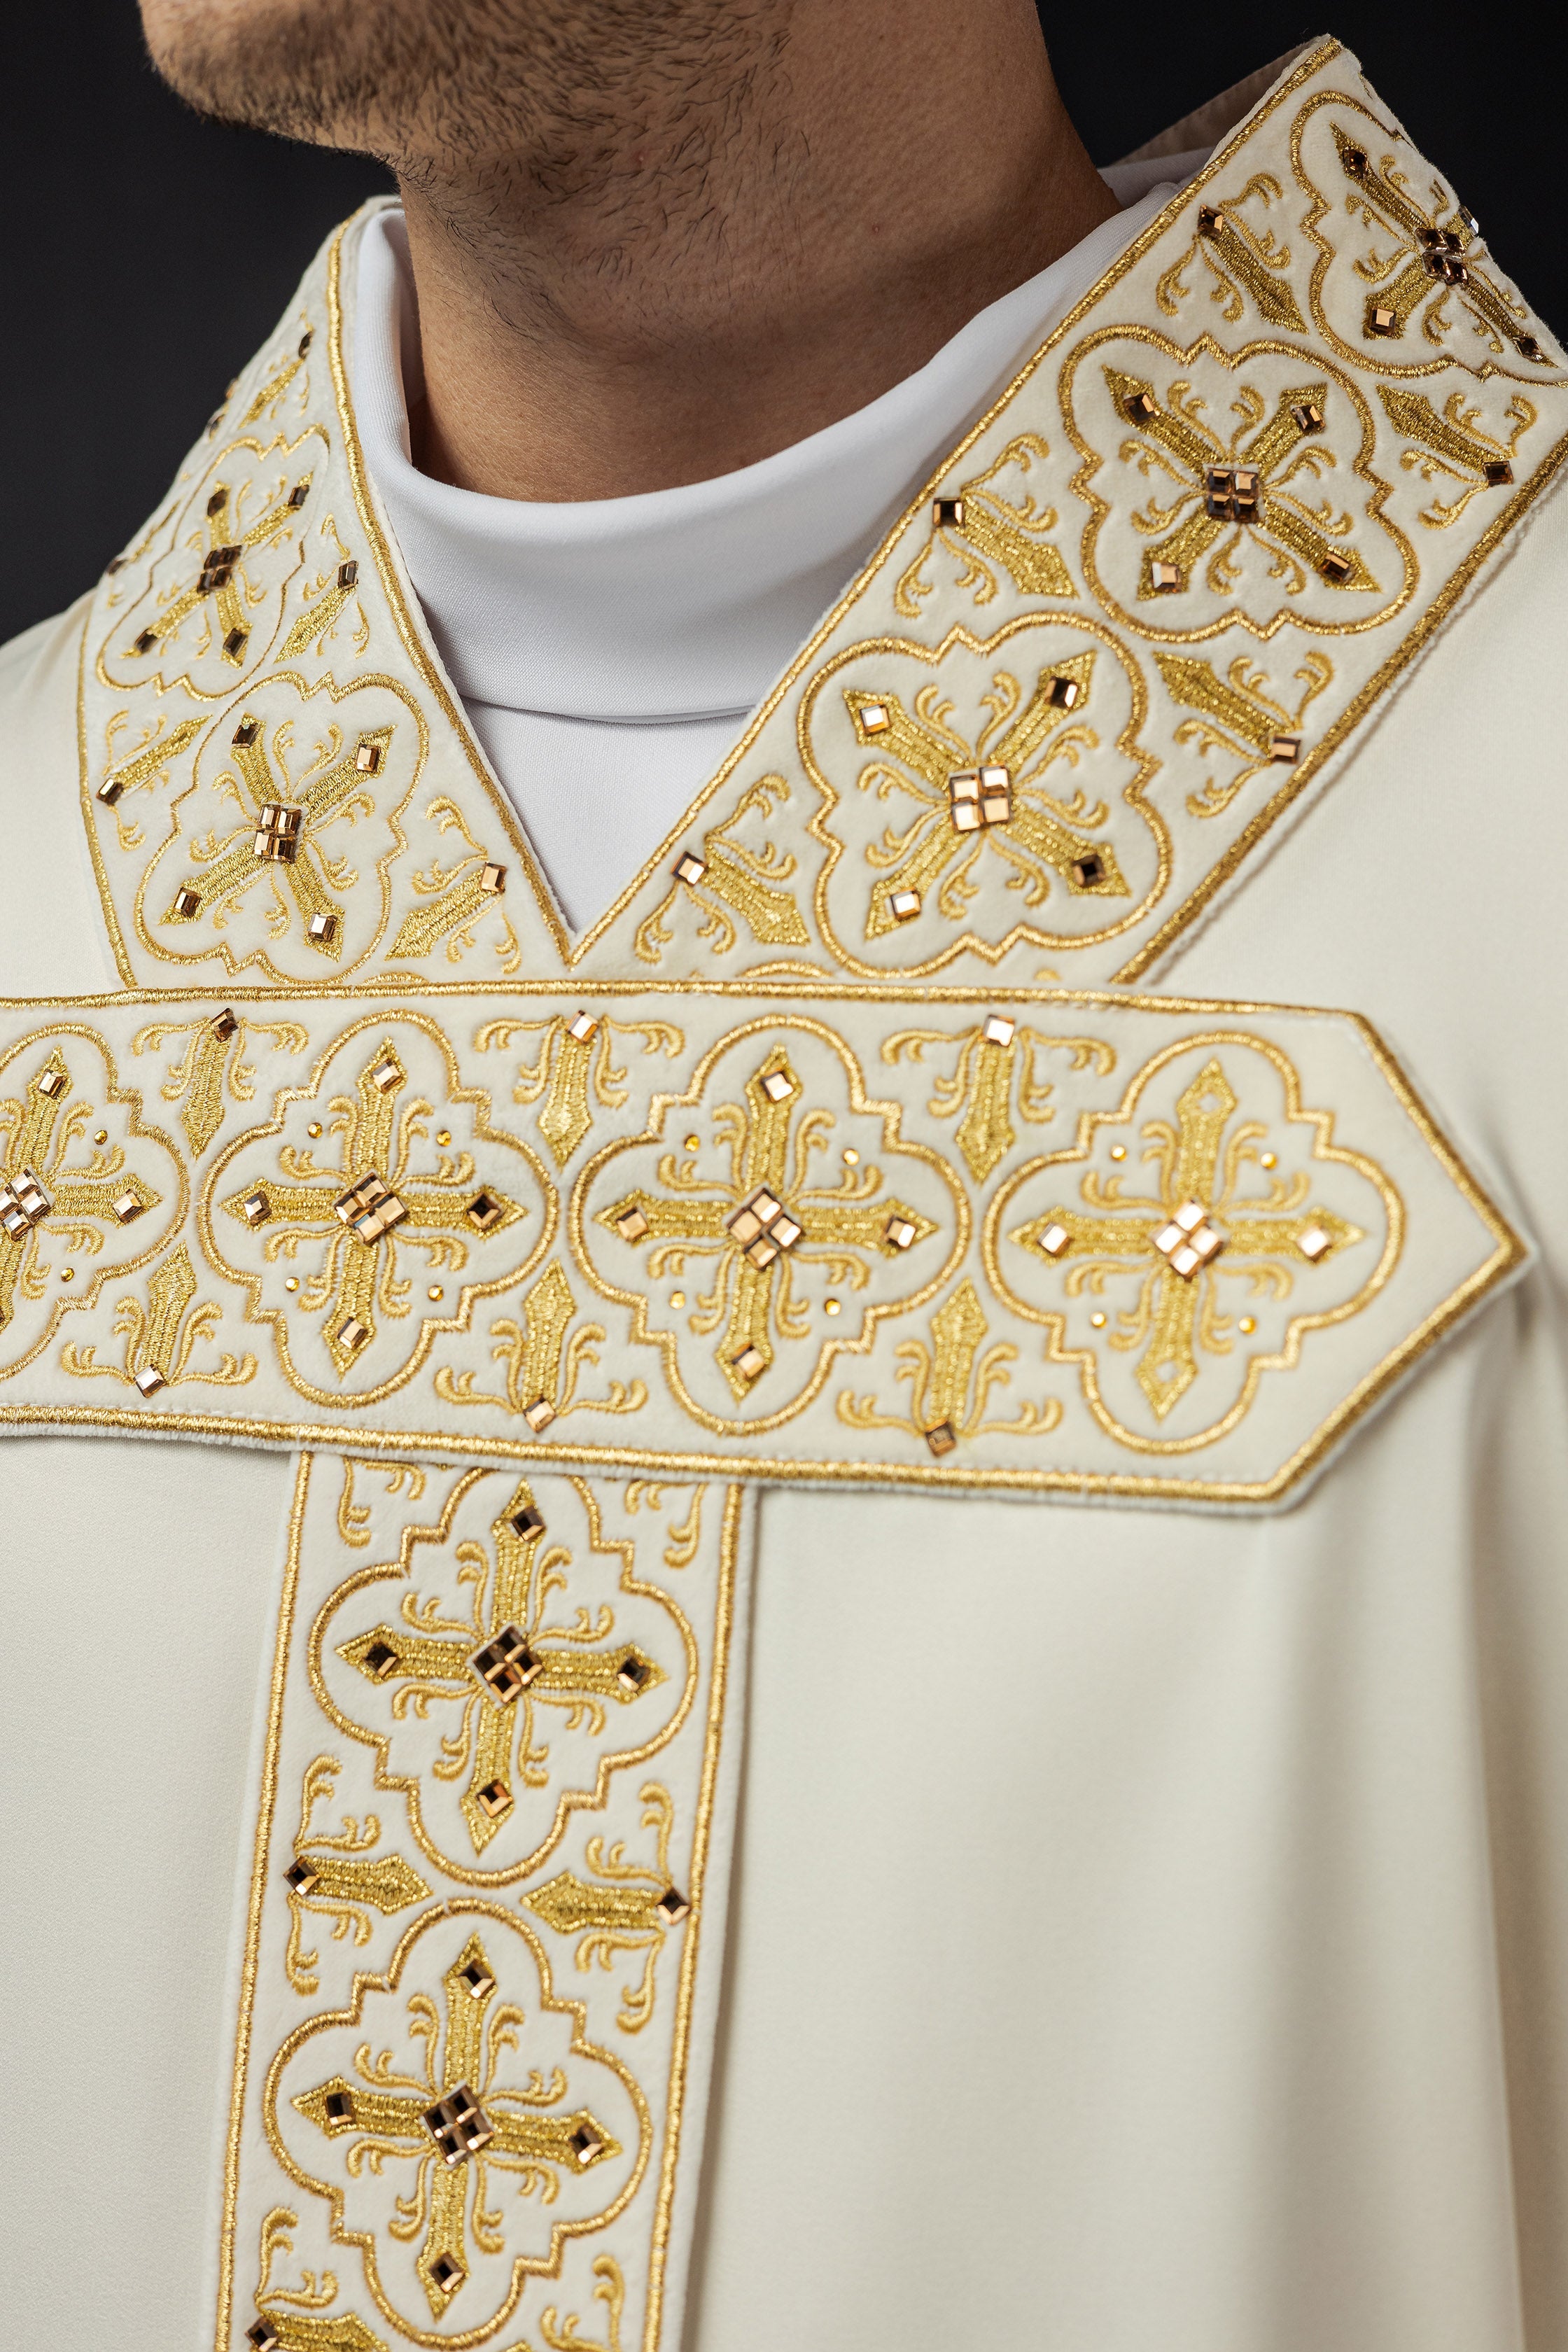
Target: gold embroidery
[
  {"x": 558, "y": 2125},
  {"x": 1238, "y": 517},
  {"x": 868, "y": 1222},
  {"x": 1452, "y": 445},
  {"x": 1398, "y": 252},
  {"x": 355, "y": 1219},
  {"x": 1240, "y": 718},
  {"x": 1068, "y": 706},
  {"x": 950, "y": 1382},
  {"x": 1204, "y": 1159},
  {"x": 80, "y": 1208},
  {"x": 1273, "y": 448},
  {"x": 160, "y": 1336},
  {"x": 542, "y": 1368},
  {"x": 453, "y": 2028},
  {"x": 335, "y": 1882},
  {"x": 247, "y": 869},
  {"x": 291, "y": 2313},
  {"x": 459, "y": 896},
  {"x": 354, "y": 1519},
  {"x": 611, "y": 2291},
  {"x": 1236, "y": 256},
  {"x": 633, "y": 1909},
  {"x": 161, "y": 747},
  {"x": 987, "y": 533},
  {"x": 226, "y": 567},
  {"x": 570, "y": 1058},
  {"x": 982, "y": 1085},
  {"x": 734, "y": 880},
  {"x": 214, "y": 1057},
  {"x": 582, "y": 1672},
  {"x": 757, "y": 1297}
]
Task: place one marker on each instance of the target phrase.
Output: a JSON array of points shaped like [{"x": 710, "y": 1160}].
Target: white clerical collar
[{"x": 684, "y": 603}]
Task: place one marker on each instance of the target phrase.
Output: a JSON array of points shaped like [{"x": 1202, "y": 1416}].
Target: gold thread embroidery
[
  {"x": 764, "y": 1145},
  {"x": 1238, "y": 717},
  {"x": 982, "y": 1084},
  {"x": 633, "y": 1908},
  {"x": 457, "y": 2042},
  {"x": 950, "y": 1382},
  {"x": 292, "y": 2314},
  {"x": 160, "y": 1336},
  {"x": 1043, "y": 847},
  {"x": 987, "y": 533},
  {"x": 543, "y": 1368},
  {"x": 334, "y": 1881},
  {"x": 570, "y": 1066},
  {"x": 578, "y": 1671},
  {"x": 1237, "y": 257},
  {"x": 734, "y": 881},
  {"x": 1200, "y": 1159},
  {"x": 295, "y": 1204}
]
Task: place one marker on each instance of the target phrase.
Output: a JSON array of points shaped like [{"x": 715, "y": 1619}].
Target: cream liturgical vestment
[{"x": 872, "y": 1650}]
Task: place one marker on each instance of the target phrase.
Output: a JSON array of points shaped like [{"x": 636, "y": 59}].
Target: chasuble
[{"x": 824, "y": 1607}]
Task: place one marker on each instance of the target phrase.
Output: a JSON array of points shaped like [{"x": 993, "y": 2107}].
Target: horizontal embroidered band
[{"x": 1035, "y": 1239}]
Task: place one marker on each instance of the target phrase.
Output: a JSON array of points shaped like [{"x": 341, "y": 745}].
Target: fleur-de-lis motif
[
  {"x": 766, "y": 1218},
  {"x": 624, "y": 1907},
  {"x": 990, "y": 795},
  {"x": 297, "y": 2320},
  {"x": 1455, "y": 445},
  {"x": 729, "y": 880},
  {"x": 950, "y": 1382},
  {"x": 1239, "y": 719},
  {"x": 1237, "y": 257},
  {"x": 543, "y": 1364},
  {"x": 213, "y": 1066},
  {"x": 986, "y": 534},
  {"x": 331, "y": 1877},
  {"x": 457, "y": 2122},
  {"x": 1232, "y": 492},
  {"x": 575, "y": 1071},
  {"x": 161, "y": 1337},
  {"x": 991, "y": 1059},
  {"x": 1169, "y": 1243}
]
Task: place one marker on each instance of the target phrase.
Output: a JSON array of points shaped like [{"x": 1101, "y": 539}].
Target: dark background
[{"x": 145, "y": 254}]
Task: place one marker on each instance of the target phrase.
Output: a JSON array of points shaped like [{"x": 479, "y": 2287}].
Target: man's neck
[{"x": 710, "y": 285}]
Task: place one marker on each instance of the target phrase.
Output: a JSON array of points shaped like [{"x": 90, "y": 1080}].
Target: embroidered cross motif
[
  {"x": 972, "y": 798},
  {"x": 280, "y": 836},
  {"x": 1433, "y": 258},
  {"x": 222, "y": 574},
  {"x": 36, "y": 1185},
  {"x": 506, "y": 1665},
  {"x": 459, "y": 2124},
  {"x": 370, "y": 1207},
  {"x": 763, "y": 1220},
  {"x": 1170, "y": 1242},
  {"x": 1239, "y": 489}
]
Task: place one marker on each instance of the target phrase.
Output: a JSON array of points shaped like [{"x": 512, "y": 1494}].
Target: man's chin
[{"x": 301, "y": 69}]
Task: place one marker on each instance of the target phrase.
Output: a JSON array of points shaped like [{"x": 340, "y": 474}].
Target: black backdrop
[{"x": 145, "y": 254}]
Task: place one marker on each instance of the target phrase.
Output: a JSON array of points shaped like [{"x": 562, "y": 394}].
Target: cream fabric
[{"x": 1147, "y": 1928}]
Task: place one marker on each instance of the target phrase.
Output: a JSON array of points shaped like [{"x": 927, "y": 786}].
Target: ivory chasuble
[{"x": 871, "y": 1643}]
